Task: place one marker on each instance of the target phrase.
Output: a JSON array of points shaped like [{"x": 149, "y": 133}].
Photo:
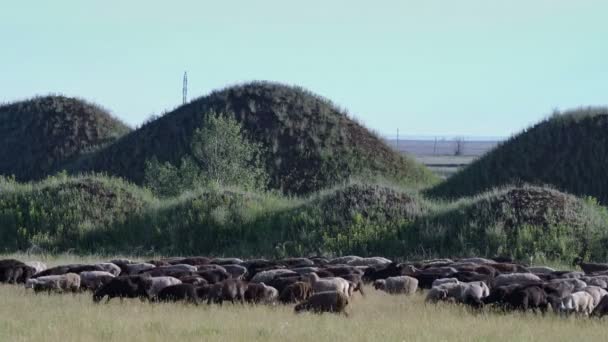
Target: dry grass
[{"x": 378, "y": 317}]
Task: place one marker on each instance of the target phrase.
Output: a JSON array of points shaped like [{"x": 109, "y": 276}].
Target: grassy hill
[
  {"x": 310, "y": 144},
  {"x": 37, "y": 136},
  {"x": 569, "y": 151}
]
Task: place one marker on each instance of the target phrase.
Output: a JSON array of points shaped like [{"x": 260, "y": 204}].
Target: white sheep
[
  {"x": 59, "y": 283},
  {"x": 477, "y": 261},
  {"x": 577, "y": 284},
  {"x": 329, "y": 284},
  {"x": 110, "y": 268},
  {"x": 596, "y": 292},
  {"x": 397, "y": 285},
  {"x": 442, "y": 281},
  {"x": 373, "y": 261},
  {"x": 578, "y": 302},
  {"x": 541, "y": 269},
  {"x": 155, "y": 284}
]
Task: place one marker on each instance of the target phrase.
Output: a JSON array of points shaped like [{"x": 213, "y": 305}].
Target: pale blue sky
[{"x": 476, "y": 67}]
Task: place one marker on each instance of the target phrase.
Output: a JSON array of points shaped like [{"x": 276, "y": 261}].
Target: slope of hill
[
  {"x": 40, "y": 134},
  {"x": 568, "y": 151},
  {"x": 309, "y": 143}
]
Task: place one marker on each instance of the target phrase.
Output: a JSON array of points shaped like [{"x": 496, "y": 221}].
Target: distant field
[{"x": 440, "y": 155}]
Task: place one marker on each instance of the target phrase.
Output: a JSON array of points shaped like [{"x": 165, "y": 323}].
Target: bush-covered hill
[
  {"x": 106, "y": 215},
  {"x": 309, "y": 143},
  {"x": 37, "y": 136},
  {"x": 568, "y": 151}
]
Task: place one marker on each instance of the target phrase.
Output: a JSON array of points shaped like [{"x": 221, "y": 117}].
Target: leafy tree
[{"x": 221, "y": 156}]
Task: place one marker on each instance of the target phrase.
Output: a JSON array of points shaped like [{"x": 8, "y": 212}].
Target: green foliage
[
  {"x": 221, "y": 156},
  {"x": 308, "y": 143},
  {"x": 106, "y": 215},
  {"x": 567, "y": 151},
  {"x": 42, "y": 135}
]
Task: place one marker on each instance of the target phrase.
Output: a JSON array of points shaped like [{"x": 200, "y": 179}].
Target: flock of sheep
[{"x": 325, "y": 285}]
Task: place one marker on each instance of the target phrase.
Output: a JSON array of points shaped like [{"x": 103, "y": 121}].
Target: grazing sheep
[
  {"x": 178, "y": 292},
  {"x": 229, "y": 289},
  {"x": 194, "y": 280},
  {"x": 268, "y": 276},
  {"x": 297, "y": 262},
  {"x": 261, "y": 293},
  {"x": 138, "y": 268},
  {"x": 516, "y": 278},
  {"x": 344, "y": 260},
  {"x": 373, "y": 261},
  {"x": 110, "y": 268},
  {"x": 601, "y": 309},
  {"x": 596, "y": 292},
  {"x": 38, "y": 266},
  {"x": 214, "y": 276},
  {"x": 397, "y": 285},
  {"x": 577, "y": 284},
  {"x": 477, "y": 261},
  {"x": 328, "y": 284},
  {"x": 296, "y": 292},
  {"x": 235, "y": 271},
  {"x": 93, "y": 280},
  {"x": 599, "y": 281},
  {"x": 226, "y": 261},
  {"x": 329, "y": 301},
  {"x": 442, "y": 281},
  {"x": 528, "y": 297},
  {"x": 14, "y": 271},
  {"x": 193, "y": 261},
  {"x": 435, "y": 294},
  {"x": 122, "y": 287},
  {"x": 58, "y": 283},
  {"x": 578, "y": 302},
  {"x": 64, "y": 269},
  {"x": 153, "y": 285}
]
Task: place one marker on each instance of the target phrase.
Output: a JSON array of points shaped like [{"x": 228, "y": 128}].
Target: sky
[{"x": 428, "y": 67}]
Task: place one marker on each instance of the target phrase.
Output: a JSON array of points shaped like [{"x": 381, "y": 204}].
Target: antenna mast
[{"x": 185, "y": 88}]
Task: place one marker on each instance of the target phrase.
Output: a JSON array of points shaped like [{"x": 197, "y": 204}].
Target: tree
[{"x": 221, "y": 155}]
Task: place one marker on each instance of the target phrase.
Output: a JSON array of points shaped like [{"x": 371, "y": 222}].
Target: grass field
[{"x": 377, "y": 317}]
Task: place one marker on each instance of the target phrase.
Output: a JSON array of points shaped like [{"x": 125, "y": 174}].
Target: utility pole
[
  {"x": 185, "y": 88},
  {"x": 398, "y": 150}
]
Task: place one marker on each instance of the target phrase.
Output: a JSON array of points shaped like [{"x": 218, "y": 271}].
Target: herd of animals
[{"x": 325, "y": 285}]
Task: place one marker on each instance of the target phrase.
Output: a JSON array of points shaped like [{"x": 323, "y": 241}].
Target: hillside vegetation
[
  {"x": 38, "y": 136},
  {"x": 106, "y": 215},
  {"x": 568, "y": 151},
  {"x": 309, "y": 144}
]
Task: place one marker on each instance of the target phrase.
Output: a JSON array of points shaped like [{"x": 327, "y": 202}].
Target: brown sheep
[
  {"x": 296, "y": 292},
  {"x": 330, "y": 301}
]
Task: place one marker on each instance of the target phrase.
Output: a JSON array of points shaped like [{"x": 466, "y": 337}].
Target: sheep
[
  {"x": 328, "y": 284},
  {"x": 442, "y": 281},
  {"x": 601, "y": 308},
  {"x": 477, "y": 261},
  {"x": 267, "y": 276},
  {"x": 599, "y": 281},
  {"x": 329, "y": 301},
  {"x": 153, "y": 285},
  {"x": 138, "y": 268},
  {"x": 122, "y": 287},
  {"x": 467, "y": 293},
  {"x": 58, "y": 283},
  {"x": 261, "y": 293},
  {"x": 578, "y": 302},
  {"x": 516, "y": 278},
  {"x": 226, "y": 261},
  {"x": 178, "y": 292},
  {"x": 110, "y": 268},
  {"x": 577, "y": 285},
  {"x": 596, "y": 292},
  {"x": 13, "y": 271},
  {"x": 38, "y": 266},
  {"x": 235, "y": 271},
  {"x": 397, "y": 285},
  {"x": 93, "y": 280},
  {"x": 373, "y": 261},
  {"x": 229, "y": 289},
  {"x": 344, "y": 259},
  {"x": 293, "y": 293},
  {"x": 436, "y": 294}
]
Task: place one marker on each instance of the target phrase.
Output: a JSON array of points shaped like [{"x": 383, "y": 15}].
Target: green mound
[
  {"x": 567, "y": 151},
  {"x": 39, "y": 135},
  {"x": 309, "y": 143},
  {"x": 59, "y": 212},
  {"x": 523, "y": 222}
]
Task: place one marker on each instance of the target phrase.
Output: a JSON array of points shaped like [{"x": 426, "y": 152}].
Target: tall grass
[{"x": 377, "y": 317}]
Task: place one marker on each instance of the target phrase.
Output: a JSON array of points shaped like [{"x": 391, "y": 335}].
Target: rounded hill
[
  {"x": 309, "y": 143},
  {"x": 568, "y": 151},
  {"x": 40, "y": 134}
]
